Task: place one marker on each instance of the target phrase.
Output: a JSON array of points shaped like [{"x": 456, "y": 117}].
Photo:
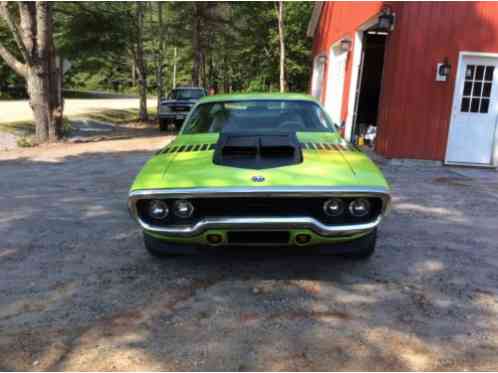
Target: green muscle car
[{"x": 259, "y": 170}]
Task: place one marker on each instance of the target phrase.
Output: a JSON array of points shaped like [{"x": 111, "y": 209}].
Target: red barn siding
[{"x": 414, "y": 109}]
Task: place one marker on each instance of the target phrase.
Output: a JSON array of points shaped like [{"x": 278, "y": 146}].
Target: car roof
[
  {"x": 179, "y": 88},
  {"x": 259, "y": 96}
]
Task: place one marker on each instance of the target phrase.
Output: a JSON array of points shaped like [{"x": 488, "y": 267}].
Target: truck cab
[{"x": 175, "y": 108}]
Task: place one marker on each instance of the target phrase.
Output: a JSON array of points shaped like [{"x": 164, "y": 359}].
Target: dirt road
[
  {"x": 78, "y": 291},
  {"x": 19, "y": 110}
]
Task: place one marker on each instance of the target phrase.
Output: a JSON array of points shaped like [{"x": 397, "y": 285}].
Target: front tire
[
  {"x": 162, "y": 249},
  {"x": 178, "y": 125},
  {"x": 163, "y": 125},
  {"x": 364, "y": 247},
  {"x": 359, "y": 249}
]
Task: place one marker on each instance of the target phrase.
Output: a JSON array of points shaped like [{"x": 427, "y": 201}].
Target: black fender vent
[
  {"x": 257, "y": 151},
  {"x": 320, "y": 146},
  {"x": 187, "y": 148}
]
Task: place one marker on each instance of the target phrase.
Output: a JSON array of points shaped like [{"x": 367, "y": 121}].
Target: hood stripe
[{"x": 312, "y": 146}]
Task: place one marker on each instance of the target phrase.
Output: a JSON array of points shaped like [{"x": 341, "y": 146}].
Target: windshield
[
  {"x": 186, "y": 94},
  {"x": 260, "y": 116}
]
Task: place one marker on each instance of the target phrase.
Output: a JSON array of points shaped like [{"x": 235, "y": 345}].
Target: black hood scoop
[{"x": 257, "y": 151}]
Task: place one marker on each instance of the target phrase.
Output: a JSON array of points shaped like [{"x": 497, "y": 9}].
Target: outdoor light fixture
[
  {"x": 444, "y": 68},
  {"x": 443, "y": 71},
  {"x": 322, "y": 59},
  {"x": 385, "y": 23},
  {"x": 346, "y": 45}
]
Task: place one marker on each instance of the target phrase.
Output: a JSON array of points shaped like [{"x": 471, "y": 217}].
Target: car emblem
[{"x": 258, "y": 179}]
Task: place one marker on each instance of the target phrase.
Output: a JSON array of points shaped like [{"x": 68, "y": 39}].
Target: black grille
[
  {"x": 263, "y": 207},
  {"x": 258, "y": 237},
  {"x": 180, "y": 108}
]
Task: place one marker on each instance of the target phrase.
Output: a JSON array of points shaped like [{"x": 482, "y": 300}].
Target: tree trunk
[
  {"x": 39, "y": 101},
  {"x": 141, "y": 70},
  {"x": 196, "y": 47},
  {"x": 160, "y": 57},
  {"x": 34, "y": 38},
  {"x": 174, "y": 68},
  {"x": 280, "y": 17}
]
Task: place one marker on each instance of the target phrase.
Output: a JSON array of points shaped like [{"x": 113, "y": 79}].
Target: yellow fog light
[
  {"x": 214, "y": 239},
  {"x": 302, "y": 239}
]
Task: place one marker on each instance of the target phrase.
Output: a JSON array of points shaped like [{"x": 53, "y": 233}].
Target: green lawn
[{"x": 121, "y": 116}]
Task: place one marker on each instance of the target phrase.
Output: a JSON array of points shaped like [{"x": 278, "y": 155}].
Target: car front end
[{"x": 281, "y": 188}]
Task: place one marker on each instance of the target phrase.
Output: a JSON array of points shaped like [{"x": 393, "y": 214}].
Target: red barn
[{"x": 423, "y": 73}]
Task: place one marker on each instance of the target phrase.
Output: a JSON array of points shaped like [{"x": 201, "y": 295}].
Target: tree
[
  {"x": 140, "y": 62},
  {"x": 280, "y": 18},
  {"x": 160, "y": 56},
  {"x": 33, "y": 35}
]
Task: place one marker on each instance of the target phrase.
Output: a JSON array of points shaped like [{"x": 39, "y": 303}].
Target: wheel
[
  {"x": 163, "y": 125},
  {"x": 361, "y": 248},
  {"x": 178, "y": 125},
  {"x": 162, "y": 249}
]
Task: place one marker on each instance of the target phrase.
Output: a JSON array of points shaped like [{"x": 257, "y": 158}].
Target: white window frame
[
  {"x": 355, "y": 69},
  {"x": 455, "y": 107}
]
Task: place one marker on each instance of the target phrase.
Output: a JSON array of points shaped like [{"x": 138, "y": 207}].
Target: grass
[{"x": 115, "y": 116}]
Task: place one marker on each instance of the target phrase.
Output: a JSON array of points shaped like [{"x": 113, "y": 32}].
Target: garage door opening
[{"x": 369, "y": 86}]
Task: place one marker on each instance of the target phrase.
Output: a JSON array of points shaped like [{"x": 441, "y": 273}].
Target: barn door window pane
[
  {"x": 479, "y": 72},
  {"x": 489, "y": 73},
  {"x": 486, "y": 91},
  {"x": 477, "y": 89},
  {"x": 469, "y": 72},
  {"x": 484, "y": 105}
]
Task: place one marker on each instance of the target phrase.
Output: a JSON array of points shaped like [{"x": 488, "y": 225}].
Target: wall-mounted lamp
[
  {"x": 443, "y": 70},
  {"x": 322, "y": 59},
  {"x": 345, "y": 45},
  {"x": 385, "y": 23}
]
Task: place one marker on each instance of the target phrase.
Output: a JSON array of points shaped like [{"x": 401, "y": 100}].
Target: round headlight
[
  {"x": 158, "y": 209},
  {"x": 359, "y": 207},
  {"x": 183, "y": 209},
  {"x": 333, "y": 207}
]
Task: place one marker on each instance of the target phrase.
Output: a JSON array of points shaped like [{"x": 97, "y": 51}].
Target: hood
[
  {"x": 178, "y": 102},
  {"x": 327, "y": 161}
]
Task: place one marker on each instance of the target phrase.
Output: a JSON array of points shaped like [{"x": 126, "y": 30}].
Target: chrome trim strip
[
  {"x": 260, "y": 191},
  {"x": 276, "y": 223},
  {"x": 259, "y": 223}
]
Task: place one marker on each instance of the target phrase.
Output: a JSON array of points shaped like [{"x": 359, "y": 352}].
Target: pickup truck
[{"x": 177, "y": 105}]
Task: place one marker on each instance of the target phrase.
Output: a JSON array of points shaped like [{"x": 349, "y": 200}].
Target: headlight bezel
[
  {"x": 158, "y": 204},
  {"x": 328, "y": 202},
  {"x": 366, "y": 203},
  {"x": 177, "y": 210}
]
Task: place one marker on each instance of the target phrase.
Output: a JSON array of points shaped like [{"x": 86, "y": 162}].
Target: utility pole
[
  {"x": 174, "y": 67},
  {"x": 280, "y": 18}
]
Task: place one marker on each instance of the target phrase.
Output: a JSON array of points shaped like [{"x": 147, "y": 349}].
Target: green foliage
[
  {"x": 238, "y": 41},
  {"x": 24, "y": 142}
]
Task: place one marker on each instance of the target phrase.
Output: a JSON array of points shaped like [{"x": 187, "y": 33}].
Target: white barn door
[
  {"x": 471, "y": 139},
  {"x": 336, "y": 72}
]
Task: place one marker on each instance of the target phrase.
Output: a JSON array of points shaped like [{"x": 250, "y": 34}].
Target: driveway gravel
[{"x": 79, "y": 292}]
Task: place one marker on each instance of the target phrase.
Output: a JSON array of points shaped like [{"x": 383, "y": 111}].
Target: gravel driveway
[{"x": 78, "y": 291}]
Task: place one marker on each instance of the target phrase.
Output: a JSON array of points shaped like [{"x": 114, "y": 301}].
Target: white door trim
[
  {"x": 337, "y": 59},
  {"x": 355, "y": 69},
  {"x": 454, "y": 105}
]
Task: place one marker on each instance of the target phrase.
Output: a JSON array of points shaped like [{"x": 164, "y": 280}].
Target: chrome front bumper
[
  {"x": 260, "y": 223},
  {"x": 179, "y": 115}
]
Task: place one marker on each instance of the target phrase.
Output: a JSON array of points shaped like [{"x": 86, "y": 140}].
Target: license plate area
[{"x": 258, "y": 237}]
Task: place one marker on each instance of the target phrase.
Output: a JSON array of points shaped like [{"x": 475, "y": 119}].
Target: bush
[{"x": 24, "y": 142}]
